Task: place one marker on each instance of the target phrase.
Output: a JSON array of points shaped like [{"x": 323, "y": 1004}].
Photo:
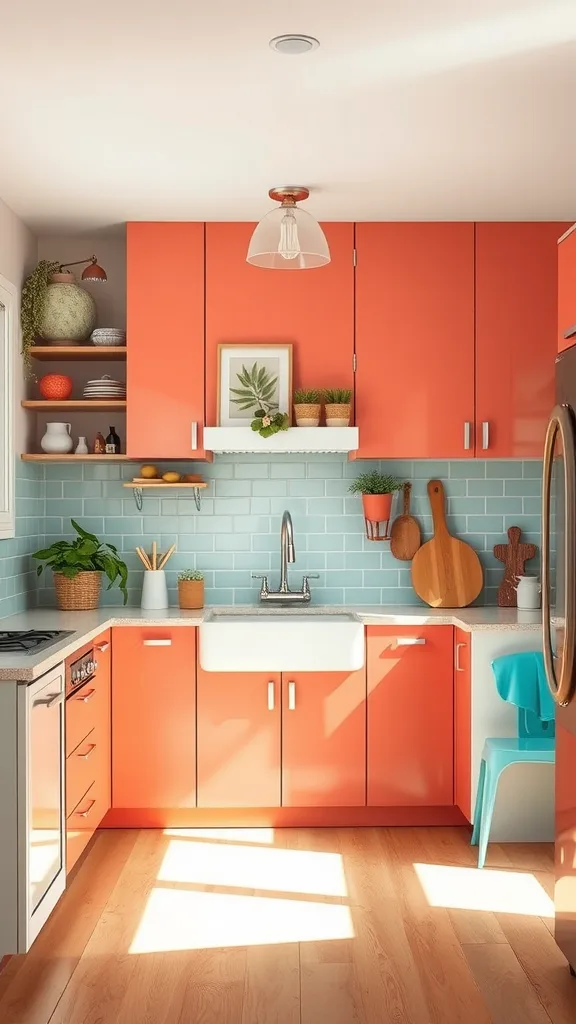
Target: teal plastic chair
[{"x": 535, "y": 744}]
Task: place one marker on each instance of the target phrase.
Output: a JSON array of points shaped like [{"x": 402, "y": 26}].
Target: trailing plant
[
  {"x": 32, "y": 305},
  {"x": 374, "y": 482},
  {"x": 84, "y": 554},
  {"x": 338, "y": 396},
  {"x": 190, "y": 575},
  {"x": 257, "y": 391},
  {"x": 267, "y": 425},
  {"x": 312, "y": 396}
]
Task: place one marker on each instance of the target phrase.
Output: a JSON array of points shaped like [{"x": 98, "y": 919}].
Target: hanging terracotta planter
[
  {"x": 377, "y": 507},
  {"x": 377, "y": 490}
]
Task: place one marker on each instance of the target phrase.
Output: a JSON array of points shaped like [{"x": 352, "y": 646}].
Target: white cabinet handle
[
  {"x": 271, "y": 696},
  {"x": 485, "y": 435},
  {"x": 457, "y": 664},
  {"x": 291, "y": 696},
  {"x": 467, "y": 436},
  {"x": 102, "y": 647},
  {"x": 157, "y": 643},
  {"x": 194, "y": 436},
  {"x": 50, "y": 702},
  {"x": 410, "y": 641}
]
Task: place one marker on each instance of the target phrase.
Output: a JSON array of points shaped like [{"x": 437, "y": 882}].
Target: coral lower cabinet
[
  {"x": 153, "y": 722},
  {"x": 88, "y": 768},
  {"x": 567, "y": 290},
  {"x": 463, "y": 722},
  {"x": 410, "y": 716}
]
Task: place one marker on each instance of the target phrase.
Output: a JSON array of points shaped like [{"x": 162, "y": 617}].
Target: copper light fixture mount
[
  {"x": 289, "y": 195},
  {"x": 93, "y": 272}
]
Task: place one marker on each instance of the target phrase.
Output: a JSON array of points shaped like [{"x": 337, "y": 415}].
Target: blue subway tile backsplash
[{"x": 18, "y": 588}]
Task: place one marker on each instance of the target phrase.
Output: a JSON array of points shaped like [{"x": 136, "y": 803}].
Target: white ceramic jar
[
  {"x": 528, "y": 592},
  {"x": 58, "y": 439}
]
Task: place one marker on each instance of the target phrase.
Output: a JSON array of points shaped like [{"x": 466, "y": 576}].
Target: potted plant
[
  {"x": 338, "y": 406},
  {"x": 307, "y": 407},
  {"x": 377, "y": 490},
  {"x": 191, "y": 588},
  {"x": 78, "y": 565}
]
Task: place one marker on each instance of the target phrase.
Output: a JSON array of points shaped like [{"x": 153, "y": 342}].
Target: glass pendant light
[{"x": 288, "y": 238}]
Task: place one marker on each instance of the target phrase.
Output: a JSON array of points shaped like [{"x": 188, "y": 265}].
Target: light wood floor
[{"x": 316, "y": 926}]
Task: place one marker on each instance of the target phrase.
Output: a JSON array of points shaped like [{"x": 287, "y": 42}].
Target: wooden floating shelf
[
  {"x": 86, "y": 405},
  {"x": 76, "y": 458},
  {"x": 76, "y": 353},
  {"x": 161, "y": 485}
]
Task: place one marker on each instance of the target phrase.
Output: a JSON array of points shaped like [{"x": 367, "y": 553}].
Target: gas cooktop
[{"x": 29, "y": 641}]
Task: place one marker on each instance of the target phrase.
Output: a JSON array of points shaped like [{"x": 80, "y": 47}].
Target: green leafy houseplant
[
  {"x": 84, "y": 554},
  {"x": 310, "y": 396},
  {"x": 267, "y": 424},
  {"x": 257, "y": 390},
  {"x": 338, "y": 396},
  {"x": 32, "y": 305},
  {"x": 376, "y": 490}
]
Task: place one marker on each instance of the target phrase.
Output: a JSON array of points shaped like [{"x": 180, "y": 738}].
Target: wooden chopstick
[
  {"x": 167, "y": 556},
  {"x": 143, "y": 558},
  {"x": 154, "y": 555}
]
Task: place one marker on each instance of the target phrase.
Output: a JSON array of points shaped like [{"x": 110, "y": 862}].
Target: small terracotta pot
[
  {"x": 377, "y": 507},
  {"x": 191, "y": 593},
  {"x": 307, "y": 415},
  {"x": 338, "y": 416}
]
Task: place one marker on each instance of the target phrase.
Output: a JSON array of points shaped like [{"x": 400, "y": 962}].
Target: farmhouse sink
[{"x": 281, "y": 641}]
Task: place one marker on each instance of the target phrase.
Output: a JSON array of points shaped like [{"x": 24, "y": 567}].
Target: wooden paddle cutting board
[
  {"x": 446, "y": 572},
  {"x": 514, "y": 555},
  {"x": 405, "y": 536}
]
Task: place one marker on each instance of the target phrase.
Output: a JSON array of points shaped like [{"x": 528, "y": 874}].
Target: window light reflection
[{"x": 503, "y": 892}]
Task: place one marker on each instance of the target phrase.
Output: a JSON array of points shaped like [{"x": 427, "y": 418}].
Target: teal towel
[{"x": 521, "y": 680}]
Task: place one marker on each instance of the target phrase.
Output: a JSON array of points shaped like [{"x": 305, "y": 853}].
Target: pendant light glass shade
[{"x": 288, "y": 238}]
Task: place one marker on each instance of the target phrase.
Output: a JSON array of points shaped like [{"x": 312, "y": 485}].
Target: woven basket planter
[
  {"x": 338, "y": 415},
  {"x": 307, "y": 415},
  {"x": 78, "y": 593},
  {"x": 191, "y": 593}
]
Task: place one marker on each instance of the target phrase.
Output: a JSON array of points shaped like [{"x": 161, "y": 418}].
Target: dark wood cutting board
[{"x": 514, "y": 555}]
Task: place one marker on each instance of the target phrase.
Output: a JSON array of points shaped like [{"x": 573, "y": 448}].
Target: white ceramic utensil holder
[
  {"x": 528, "y": 592},
  {"x": 154, "y": 590}
]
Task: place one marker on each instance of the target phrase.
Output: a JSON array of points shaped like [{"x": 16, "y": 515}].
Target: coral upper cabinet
[
  {"x": 153, "y": 724},
  {"x": 567, "y": 290},
  {"x": 410, "y": 716},
  {"x": 314, "y": 310},
  {"x": 415, "y": 340},
  {"x": 165, "y": 352}
]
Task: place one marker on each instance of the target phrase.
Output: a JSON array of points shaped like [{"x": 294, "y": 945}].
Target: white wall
[{"x": 18, "y": 256}]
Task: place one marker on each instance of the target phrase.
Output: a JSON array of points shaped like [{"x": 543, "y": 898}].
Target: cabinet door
[
  {"x": 516, "y": 331},
  {"x": 153, "y": 717},
  {"x": 165, "y": 352},
  {"x": 314, "y": 310},
  {"x": 415, "y": 340},
  {"x": 410, "y": 716},
  {"x": 567, "y": 289},
  {"x": 103, "y": 656},
  {"x": 238, "y": 739},
  {"x": 324, "y": 739},
  {"x": 463, "y": 722}
]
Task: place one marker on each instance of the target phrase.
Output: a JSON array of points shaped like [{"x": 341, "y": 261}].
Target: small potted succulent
[
  {"x": 78, "y": 565},
  {"x": 307, "y": 407},
  {"x": 338, "y": 406},
  {"x": 191, "y": 588},
  {"x": 377, "y": 490}
]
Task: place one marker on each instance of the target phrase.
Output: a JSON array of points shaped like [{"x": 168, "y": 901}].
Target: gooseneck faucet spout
[{"x": 287, "y": 552}]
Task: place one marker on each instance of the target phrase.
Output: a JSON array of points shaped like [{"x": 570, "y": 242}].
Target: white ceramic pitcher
[
  {"x": 528, "y": 592},
  {"x": 58, "y": 439}
]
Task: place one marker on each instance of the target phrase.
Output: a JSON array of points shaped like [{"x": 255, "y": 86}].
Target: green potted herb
[
  {"x": 377, "y": 490},
  {"x": 338, "y": 406},
  {"x": 307, "y": 407},
  {"x": 191, "y": 588},
  {"x": 78, "y": 565}
]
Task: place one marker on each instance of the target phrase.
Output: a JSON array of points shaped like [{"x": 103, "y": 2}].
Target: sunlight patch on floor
[
  {"x": 260, "y": 836},
  {"x": 503, "y": 892},
  {"x": 176, "y": 919},
  {"x": 253, "y": 867}
]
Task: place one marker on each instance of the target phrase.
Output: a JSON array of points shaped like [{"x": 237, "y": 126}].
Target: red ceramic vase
[{"x": 55, "y": 387}]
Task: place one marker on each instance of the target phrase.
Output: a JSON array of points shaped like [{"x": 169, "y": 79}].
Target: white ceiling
[{"x": 112, "y": 110}]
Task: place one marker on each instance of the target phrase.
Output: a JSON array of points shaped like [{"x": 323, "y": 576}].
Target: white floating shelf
[{"x": 237, "y": 440}]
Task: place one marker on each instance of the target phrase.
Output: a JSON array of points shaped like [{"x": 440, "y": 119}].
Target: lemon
[
  {"x": 149, "y": 472},
  {"x": 171, "y": 478}
]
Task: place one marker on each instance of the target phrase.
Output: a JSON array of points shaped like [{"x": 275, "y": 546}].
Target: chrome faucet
[{"x": 287, "y": 554}]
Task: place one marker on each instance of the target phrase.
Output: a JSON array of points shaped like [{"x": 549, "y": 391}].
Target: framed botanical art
[{"x": 253, "y": 379}]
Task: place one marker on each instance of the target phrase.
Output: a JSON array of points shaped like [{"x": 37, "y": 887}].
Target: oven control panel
[{"x": 81, "y": 670}]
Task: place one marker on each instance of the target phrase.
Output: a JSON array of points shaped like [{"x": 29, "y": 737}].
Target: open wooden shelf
[
  {"x": 54, "y": 353},
  {"x": 75, "y": 458},
  {"x": 82, "y": 405},
  {"x": 161, "y": 484}
]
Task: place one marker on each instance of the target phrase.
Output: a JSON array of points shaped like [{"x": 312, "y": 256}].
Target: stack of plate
[
  {"x": 105, "y": 387},
  {"x": 108, "y": 336}
]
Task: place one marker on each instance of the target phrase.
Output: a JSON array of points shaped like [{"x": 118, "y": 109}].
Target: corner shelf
[
  {"x": 161, "y": 485},
  {"x": 77, "y": 353},
  {"x": 86, "y": 405},
  {"x": 26, "y": 457}
]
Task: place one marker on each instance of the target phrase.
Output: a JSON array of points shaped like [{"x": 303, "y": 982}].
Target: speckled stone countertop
[{"x": 87, "y": 625}]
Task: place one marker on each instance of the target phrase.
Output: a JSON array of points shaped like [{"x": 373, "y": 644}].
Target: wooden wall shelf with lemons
[{"x": 151, "y": 477}]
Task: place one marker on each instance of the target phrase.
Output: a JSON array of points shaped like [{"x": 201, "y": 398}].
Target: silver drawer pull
[
  {"x": 157, "y": 643},
  {"x": 410, "y": 641},
  {"x": 485, "y": 435},
  {"x": 84, "y": 814},
  {"x": 271, "y": 696},
  {"x": 86, "y": 696},
  {"x": 50, "y": 702},
  {"x": 467, "y": 435},
  {"x": 457, "y": 664},
  {"x": 103, "y": 646},
  {"x": 88, "y": 752},
  {"x": 291, "y": 696}
]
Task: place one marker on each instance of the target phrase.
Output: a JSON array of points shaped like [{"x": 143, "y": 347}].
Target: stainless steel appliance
[
  {"x": 79, "y": 670},
  {"x": 559, "y": 628},
  {"x": 30, "y": 641}
]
